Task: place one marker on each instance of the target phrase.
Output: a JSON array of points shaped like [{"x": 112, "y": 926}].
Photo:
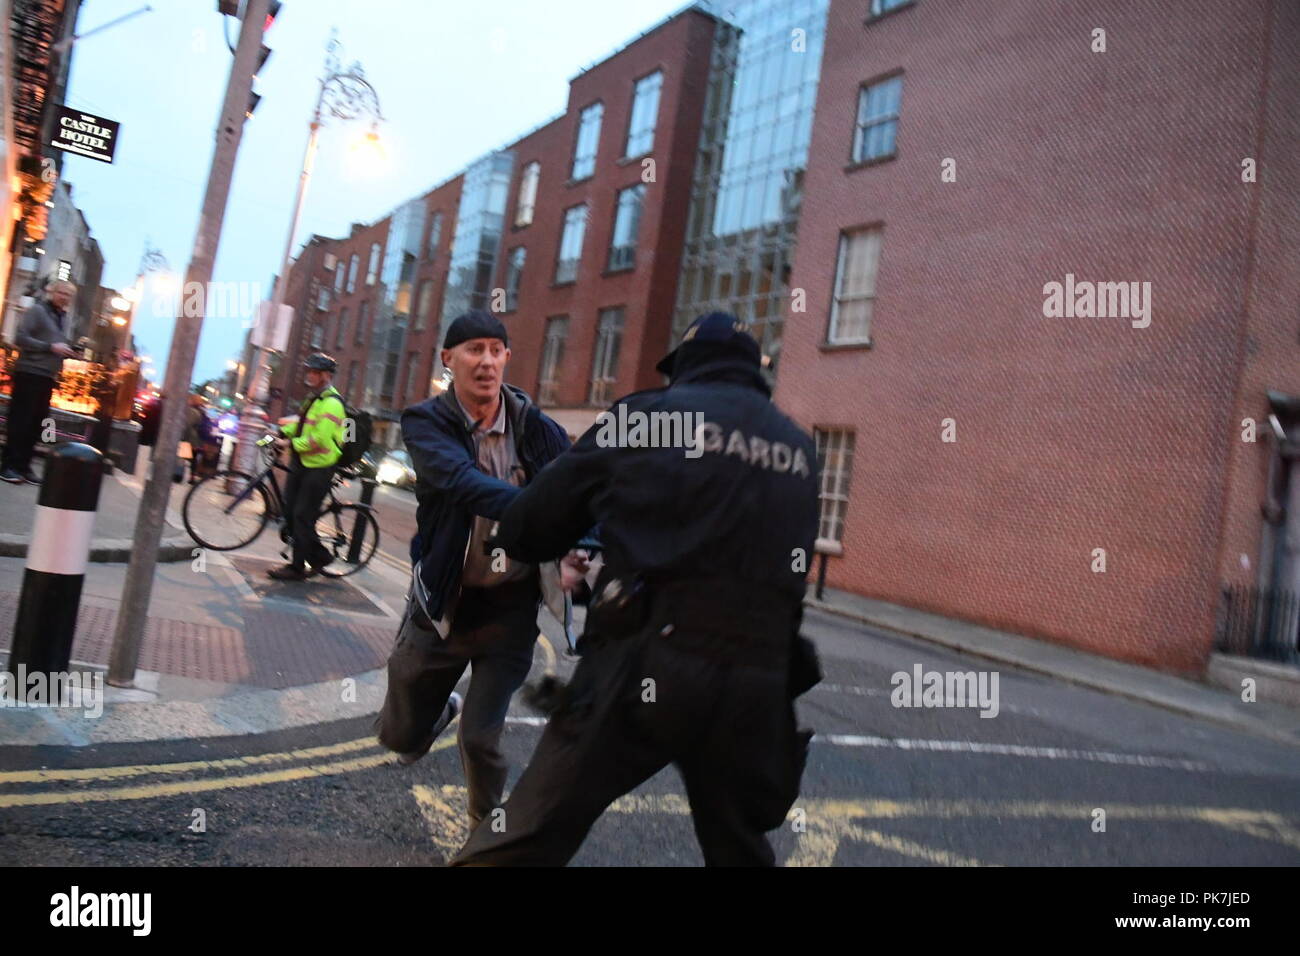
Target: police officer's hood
[{"x": 717, "y": 362}]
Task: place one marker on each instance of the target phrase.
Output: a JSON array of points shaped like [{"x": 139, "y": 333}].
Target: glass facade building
[
  {"x": 480, "y": 220},
  {"x": 748, "y": 179},
  {"x": 393, "y": 308}
]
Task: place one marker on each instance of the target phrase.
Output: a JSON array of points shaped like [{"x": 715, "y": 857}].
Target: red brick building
[
  {"x": 985, "y": 452},
  {"x": 588, "y": 320},
  {"x": 583, "y": 272}
]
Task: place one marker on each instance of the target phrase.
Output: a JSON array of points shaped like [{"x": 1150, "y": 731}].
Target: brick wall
[{"x": 1072, "y": 433}]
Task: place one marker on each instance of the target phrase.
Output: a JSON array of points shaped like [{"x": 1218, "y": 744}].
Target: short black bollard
[
  {"x": 368, "y": 486},
  {"x": 821, "y": 577},
  {"x": 57, "y": 558}
]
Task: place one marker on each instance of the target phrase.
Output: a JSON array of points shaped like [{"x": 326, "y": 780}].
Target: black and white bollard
[{"x": 57, "y": 558}]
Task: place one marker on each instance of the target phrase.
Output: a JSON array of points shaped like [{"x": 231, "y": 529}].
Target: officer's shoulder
[{"x": 641, "y": 399}]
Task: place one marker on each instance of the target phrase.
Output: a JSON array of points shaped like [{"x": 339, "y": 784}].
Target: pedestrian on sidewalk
[
  {"x": 473, "y": 447},
  {"x": 201, "y": 436},
  {"x": 691, "y": 653},
  {"x": 42, "y": 339},
  {"x": 315, "y": 439}
]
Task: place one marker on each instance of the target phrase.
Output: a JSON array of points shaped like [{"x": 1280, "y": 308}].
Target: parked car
[{"x": 395, "y": 468}]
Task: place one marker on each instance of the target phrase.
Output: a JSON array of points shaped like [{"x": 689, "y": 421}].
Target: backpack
[{"x": 362, "y": 426}]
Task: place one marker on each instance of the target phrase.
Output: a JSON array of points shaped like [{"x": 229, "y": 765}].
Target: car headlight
[{"x": 389, "y": 473}]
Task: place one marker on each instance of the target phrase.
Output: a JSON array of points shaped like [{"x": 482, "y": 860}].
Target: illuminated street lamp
[{"x": 345, "y": 94}]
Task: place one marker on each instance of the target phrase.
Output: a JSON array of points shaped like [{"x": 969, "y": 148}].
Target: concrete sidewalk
[
  {"x": 226, "y": 650},
  {"x": 1267, "y": 718},
  {"x": 119, "y": 501}
]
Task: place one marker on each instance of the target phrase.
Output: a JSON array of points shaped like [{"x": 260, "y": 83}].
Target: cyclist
[{"x": 315, "y": 440}]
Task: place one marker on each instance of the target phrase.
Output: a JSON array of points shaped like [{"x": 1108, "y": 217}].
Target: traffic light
[{"x": 263, "y": 54}]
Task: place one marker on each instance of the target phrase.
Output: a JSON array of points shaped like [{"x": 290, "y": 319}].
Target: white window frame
[
  {"x": 527, "y": 204},
  {"x": 644, "y": 114},
  {"x": 372, "y": 269},
  {"x": 835, "y": 465},
  {"x": 553, "y": 341},
  {"x": 514, "y": 276},
  {"x": 588, "y": 161},
  {"x": 835, "y": 335},
  {"x": 566, "y": 269},
  {"x": 863, "y": 125},
  {"x": 624, "y": 256},
  {"x": 606, "y": 355}
]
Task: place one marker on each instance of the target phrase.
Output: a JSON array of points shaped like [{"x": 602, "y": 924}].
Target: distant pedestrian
[{"x": 42, "y": 339}]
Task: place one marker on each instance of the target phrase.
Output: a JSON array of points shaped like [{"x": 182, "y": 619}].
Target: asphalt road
[{"x": 885, "y": 786}]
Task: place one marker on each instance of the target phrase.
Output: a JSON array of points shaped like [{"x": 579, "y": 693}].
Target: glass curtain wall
[
  {"x": 746, "y": 189},
  {"x": 477, "y": 240},
  {"x": 392, "y": 310}
]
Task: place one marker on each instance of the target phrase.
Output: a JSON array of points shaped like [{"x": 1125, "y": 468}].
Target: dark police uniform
[{"x": 690, "y": 642}]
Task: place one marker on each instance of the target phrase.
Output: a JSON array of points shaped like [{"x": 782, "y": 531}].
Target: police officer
[
  {"x": 316, "y": 441},
  {"x": 691, "y": 653}
]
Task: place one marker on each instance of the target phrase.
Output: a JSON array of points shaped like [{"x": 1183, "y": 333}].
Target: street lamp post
[{"x": 345, "y": 94}]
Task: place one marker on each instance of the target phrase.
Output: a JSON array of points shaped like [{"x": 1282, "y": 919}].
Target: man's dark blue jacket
[{"x": 452, "y": 490}]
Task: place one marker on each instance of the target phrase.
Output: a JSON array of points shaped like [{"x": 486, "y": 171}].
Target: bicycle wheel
[
  {"x": 336, "y": 527},
  {"x": 217, "y": 518}
]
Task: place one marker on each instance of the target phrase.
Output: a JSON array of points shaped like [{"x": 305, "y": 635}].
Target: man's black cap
[
  {"x": 716, "y": 328},
  {"x": 475, "y": 324}
]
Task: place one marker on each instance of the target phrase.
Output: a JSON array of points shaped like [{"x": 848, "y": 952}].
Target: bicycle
[{"x": 232, "y": 508}]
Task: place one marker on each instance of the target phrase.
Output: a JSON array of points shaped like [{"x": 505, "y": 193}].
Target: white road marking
[
  {"x": 857, "y": 691},
  {"x": 978, "y": 747},
  {"x": 1012, "y": 750}
]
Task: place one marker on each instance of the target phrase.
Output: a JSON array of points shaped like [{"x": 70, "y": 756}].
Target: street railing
[{"x": 1259, "y": 622}]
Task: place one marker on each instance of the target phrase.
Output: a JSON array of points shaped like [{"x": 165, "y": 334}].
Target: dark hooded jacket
[
  {"x": 452, "y": 490},
  {"x": 742, "y": 503}
]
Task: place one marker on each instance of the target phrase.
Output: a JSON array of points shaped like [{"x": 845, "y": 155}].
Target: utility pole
[{"x": 138, "y": 588}]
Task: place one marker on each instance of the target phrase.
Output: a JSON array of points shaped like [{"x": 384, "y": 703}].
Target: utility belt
[
  {"x": 723, "y": 615},
  {"x": 724, "y": 607}
]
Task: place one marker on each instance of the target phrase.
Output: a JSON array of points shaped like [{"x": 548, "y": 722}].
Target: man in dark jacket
[
  {"x": 707, "y": 506},
  {"x": 473, "y": 447},
  {"x": 42, "y": 340}
]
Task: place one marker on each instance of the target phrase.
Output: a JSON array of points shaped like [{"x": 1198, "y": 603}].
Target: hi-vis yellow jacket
[{"x": 317, "y": 432}]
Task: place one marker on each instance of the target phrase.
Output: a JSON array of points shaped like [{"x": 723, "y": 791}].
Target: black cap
[
  {"x": 320, "y": 362},
  {"x": 717, "y": 328},
  {"x": 475, "y": 324}
]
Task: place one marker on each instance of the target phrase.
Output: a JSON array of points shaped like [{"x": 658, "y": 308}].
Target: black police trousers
[
  {"x": 304, "y": 496},
  {"x": 715, "y": 707}
]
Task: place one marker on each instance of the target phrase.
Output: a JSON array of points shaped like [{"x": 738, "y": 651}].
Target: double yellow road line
[{"x": 359, "y": 754}]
